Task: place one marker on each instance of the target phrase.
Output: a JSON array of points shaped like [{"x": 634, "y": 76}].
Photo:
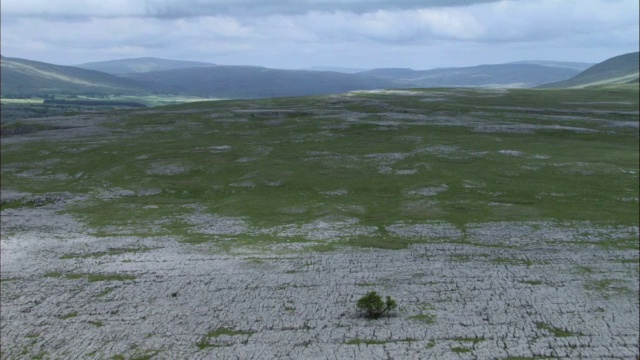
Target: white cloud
[
  {"x": 320, "y": 32},
  {"x": 503, "y": 21},
  {"x": 71, "y": 8}
]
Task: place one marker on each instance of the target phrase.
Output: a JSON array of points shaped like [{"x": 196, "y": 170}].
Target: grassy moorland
[
  {"x": 278, "y": 170},
  {"x": 19, "y": 109}
]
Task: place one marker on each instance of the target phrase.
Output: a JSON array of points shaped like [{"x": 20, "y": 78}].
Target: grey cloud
[
  {"x": 176, "y": 8},
  {"x": 172, "y": 9},
  {"x": 287, "y": 33}
]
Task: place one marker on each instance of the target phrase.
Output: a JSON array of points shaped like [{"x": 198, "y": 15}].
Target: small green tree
[{"x": 374, "y": 307}]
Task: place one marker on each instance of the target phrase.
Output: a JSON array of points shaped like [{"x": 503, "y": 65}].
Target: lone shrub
[{"x": 374, "y": 307}]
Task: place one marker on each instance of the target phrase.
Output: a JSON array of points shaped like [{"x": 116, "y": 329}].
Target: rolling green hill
[
  {"x": 143, "y": 64},
  {"x": 26, "y": 77},
  {"x": 502, "y": 75},
  {"x": 623, "y": 69},
  {"x": 258, "y": 82}
]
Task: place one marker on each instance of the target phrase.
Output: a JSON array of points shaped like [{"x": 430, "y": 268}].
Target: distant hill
[
  {"x": 20, "y": 76},
  {"x": 138, "y": 65},
  {"x": 257, "y": 82},
  {"x": 336, "y": 69},
  {"x": 25, "y": 77},
  {"x": 623, "y": 69},
  {"x": 502, "y": 75},
  {"x": 580, "y": 66},
  {"x": 405, "y": 74}
]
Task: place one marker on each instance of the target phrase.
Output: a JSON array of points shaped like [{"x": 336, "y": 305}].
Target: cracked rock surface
[{"x": 155, "y": 296}]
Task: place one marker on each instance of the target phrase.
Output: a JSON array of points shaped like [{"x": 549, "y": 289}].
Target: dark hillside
[
  {"x": 257, "y": 82},
  {"x": 502, "y": 75},
  {"x": 143, "y": 64},
  {"x": 621, "y": 69},
  {"x": 26, "y": 77}
]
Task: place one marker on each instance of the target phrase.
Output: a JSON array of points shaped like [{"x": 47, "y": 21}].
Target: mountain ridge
[
  {"x": 22, "y": 76},
  {"x": 503, "y": 75},
  {"x": 254, "y": 81},
  {"x": 141, "y": 64},
  {"x": 176, "y": 77}
]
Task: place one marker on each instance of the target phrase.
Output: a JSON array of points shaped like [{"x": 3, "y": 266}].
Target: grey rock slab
[{"x": 299, "y": 304}]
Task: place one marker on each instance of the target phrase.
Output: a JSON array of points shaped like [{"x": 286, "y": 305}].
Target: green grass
[
  {"x": 270, "y": 172},
  {"x": 511, "y": 261},
  {"x": 109, "y": 277},
  {"x": 52, "y": 274},
  {"x": 607, "y": 287},
  {"x": 375, "y": 342},
  {"x": 69, "y": 315},
  {"x": 222, "y": 331},
  {"x": 473, "y": 340},
  {"x": 583, "y": 269},
  {"x": 203, "y": 344},
  {"x": 557, "y": 332},
  {"x": 144, "y": 355},
  {"x": 105, "y": 292},
  {"x": 620, "y": 244},
  {"x": 532, "y": 282},
  {"x": 364, "y": 342},
  {"x": 228, "y": 332},
  {"x": 425, "y": 318}
]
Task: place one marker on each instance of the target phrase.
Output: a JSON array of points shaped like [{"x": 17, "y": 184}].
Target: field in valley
[{"x": 503, "y": 222}]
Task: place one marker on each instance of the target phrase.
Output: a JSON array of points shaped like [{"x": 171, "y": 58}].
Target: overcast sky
[{"x": 419, "y": 34}]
